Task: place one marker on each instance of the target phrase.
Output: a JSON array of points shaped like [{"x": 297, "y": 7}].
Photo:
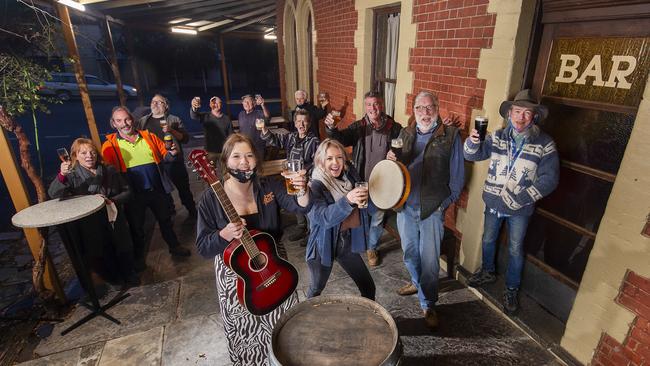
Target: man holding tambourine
[{"x": 432, "y": 152}]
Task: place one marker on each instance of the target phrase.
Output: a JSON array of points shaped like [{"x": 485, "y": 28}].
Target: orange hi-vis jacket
[{"x": 113, "y": 155}]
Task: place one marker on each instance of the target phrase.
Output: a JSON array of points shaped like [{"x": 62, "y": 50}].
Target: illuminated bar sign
[{"x": 607, "y": 70}]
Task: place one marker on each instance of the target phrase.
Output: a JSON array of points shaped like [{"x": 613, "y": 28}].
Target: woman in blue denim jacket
[{"x": 339, "y": 228}]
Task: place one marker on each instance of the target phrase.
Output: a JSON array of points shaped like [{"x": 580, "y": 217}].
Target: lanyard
[{"x": 513, "y": 155}]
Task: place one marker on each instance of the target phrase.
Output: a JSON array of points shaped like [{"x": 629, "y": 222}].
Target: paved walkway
[{"x": 173, "y": 317}]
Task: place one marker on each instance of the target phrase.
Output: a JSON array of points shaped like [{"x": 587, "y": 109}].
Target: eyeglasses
[
  {"x": 157, "y": 102},
  {"x": 423, "y": 108}
]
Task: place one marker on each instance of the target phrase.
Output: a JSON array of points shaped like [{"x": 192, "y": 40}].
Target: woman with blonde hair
[
  {"x": 108, "y": 232},
  {"x": 339, "y": 221}
]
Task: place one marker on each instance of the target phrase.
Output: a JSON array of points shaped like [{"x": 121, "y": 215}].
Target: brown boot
[
  {"x": 407, "y": 290},
  {"x": 373, "y": 257},
  {"x": 431, "y": 318}
]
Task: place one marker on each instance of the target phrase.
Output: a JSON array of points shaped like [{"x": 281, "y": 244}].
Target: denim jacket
[{"x": 325, "y": 220}]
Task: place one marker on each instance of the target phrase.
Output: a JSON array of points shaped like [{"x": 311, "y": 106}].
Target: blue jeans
[
  {"x": 517, "y": 225},
  {"x": 376, "y": 229},
  {"x": 421, "y": 246}
]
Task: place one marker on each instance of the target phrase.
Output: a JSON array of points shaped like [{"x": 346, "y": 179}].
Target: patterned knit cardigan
[{"x": 534, "y": 175}]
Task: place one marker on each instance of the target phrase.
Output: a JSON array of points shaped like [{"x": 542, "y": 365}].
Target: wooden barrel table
[{"x": 335, "y": 330}]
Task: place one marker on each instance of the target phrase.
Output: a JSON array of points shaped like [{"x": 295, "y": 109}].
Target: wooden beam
[
  {"x": 113, "y": 60},
  {"x": 20, "y": 198},
  {"x": 224, "y": 75},
  {"x": 124, "y": 3},
  {"x": 177, "y": 10},
  {"x": 244, "y": 16},
  {"x": 241, "y": 25},
  {"x": 68, "y": 34}
]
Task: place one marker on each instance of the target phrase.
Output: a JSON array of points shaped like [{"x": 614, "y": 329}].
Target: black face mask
[{"x": 243, "y": 176}]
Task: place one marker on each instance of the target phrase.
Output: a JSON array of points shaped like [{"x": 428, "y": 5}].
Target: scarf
[
  {"x": 94, "y": 181},
  {"x": 339, "y": 188}
]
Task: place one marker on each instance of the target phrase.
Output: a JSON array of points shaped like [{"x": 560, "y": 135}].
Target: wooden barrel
[{"x": 335, "y": 330}]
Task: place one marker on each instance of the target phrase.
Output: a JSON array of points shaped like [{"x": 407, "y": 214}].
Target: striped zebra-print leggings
[{"x": 249, "y": 336}]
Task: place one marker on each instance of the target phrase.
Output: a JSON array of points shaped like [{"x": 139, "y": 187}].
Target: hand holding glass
[
  {"x": 290, "y": 170},
  {"x": 196, "y": 102},
  {"x": 259, "y": 123},
  {"x": 363, "y": 186},
  {"x": 396, "y": 146}
]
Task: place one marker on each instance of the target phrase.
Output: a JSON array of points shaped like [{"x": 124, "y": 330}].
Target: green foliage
[
  {"x": 19, "y": 85},
  {"x": 28, "y": 35}
]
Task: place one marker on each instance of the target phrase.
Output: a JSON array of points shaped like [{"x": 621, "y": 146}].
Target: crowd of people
[{"x": 142, "y": 162}]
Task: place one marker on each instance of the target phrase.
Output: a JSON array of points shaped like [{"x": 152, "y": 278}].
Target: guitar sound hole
[{"x": 258, "y": 262}]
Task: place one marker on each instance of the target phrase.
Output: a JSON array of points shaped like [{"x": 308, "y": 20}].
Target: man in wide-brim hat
[{"x": 524, "y": 167}]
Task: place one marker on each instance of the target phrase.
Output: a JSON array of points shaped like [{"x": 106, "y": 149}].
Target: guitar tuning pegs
[{"x": 193, "y": 170}]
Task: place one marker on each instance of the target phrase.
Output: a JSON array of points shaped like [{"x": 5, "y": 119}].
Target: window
[
  {"x": 91, "y": 80},
  {"x": 386, "y": 42}
]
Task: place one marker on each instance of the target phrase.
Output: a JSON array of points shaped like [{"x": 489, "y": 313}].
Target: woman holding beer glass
[
  {"x": 107, "y": 230},
  {"x": 338, "y": 221},
  {"x": 257, "y": 201}
]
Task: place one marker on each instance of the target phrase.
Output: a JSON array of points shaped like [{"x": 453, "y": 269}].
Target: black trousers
[
  {"x": 156, "y": 201},
  {"x": 349, "y": 261},
  {"x": 178, "y": 174}
]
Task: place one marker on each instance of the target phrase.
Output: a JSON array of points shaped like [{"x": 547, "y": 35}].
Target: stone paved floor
[
  {"x": 173, "y": 317},
  {"x": 174, "y": 320}
]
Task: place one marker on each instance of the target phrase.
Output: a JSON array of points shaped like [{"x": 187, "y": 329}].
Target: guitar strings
[{"x": 232, "y": 215}]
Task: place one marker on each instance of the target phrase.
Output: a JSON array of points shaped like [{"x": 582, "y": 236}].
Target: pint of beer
[
  {"x": 480, "y": 124},
  {"x": 364, "y": 186},
  {"x": 396, "y": 146},
  {"x": 337, "y": 117},
  {"x": 259, "y": 123},
  {"x": 290, "y": 169}
]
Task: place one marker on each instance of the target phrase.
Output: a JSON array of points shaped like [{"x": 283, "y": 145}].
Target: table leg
[{"x": 72, "y": 241}]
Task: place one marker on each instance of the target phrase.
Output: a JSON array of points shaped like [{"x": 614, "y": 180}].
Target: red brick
[
  {"x": 640, "y": 336},
  {"x": 639, "y": 281}
]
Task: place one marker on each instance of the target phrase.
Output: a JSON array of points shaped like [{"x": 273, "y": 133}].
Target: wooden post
[
  {"x": 68, "y": 34},
  {"x": 114, "y": 66},
  {"x": 20, "y": 198},
  {"x": 224, "y": 76},
  {"x": 134, "y": 67}
]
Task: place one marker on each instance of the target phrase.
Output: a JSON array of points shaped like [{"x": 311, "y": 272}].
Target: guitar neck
[{"x": 233, "y": 216}]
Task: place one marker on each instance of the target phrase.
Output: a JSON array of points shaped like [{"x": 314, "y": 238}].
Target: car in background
[{"x": 64, "y": 86}]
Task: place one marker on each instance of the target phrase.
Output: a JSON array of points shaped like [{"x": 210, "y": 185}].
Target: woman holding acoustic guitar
[{"x": 245, "y": 201}]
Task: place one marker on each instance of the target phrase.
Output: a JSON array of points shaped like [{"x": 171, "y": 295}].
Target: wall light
[
  {"x": 73, "y": 4},
  {"x": 270, "y": 36},
  {"x": 184, "y": 30}
]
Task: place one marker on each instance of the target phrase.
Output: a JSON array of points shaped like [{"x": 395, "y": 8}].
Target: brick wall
[
  {"x": 635, "y": 350},
  {"x": 450, "y": 35},
  {"x": 336, "y": 22}
]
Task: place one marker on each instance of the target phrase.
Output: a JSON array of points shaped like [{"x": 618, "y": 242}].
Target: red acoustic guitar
[{"x": 265, "y": 280}]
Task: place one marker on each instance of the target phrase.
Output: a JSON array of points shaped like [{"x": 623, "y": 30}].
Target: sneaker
[
  {"x": 480, "y": 278},
  {"x": 407, "y": 290},
  {"x": 510, "y": 302},
  {"x": 301, "y": 232},
  {"x": 431, "y": 318},
  {"x": 179, "y": 252},
  {"x": 373, "y": 257}
]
